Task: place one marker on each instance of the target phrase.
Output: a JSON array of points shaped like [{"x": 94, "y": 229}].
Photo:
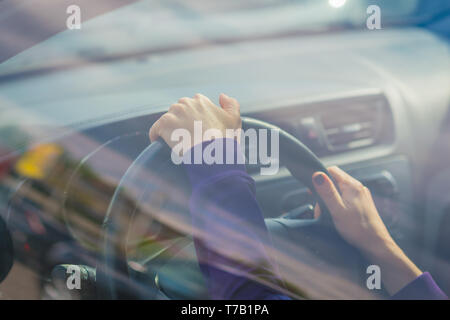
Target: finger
[
  {"x": 328, "y": 192},
  {"x": 154, "y": 131},
  {"x": 229, "y": 104},
  {"x": 342, "y": 177},
  {"x": 160, "y": 125},
  {"x": 344, "y": 180},
  {"x": 177, "y": 108},
  {"x": 338, "y": 174},
  {"x": 317, "y": 211},
  {"x": 185, "y": 100},
  {"x": 200, "y": 96},
  {"x": 368, "y": 193}
]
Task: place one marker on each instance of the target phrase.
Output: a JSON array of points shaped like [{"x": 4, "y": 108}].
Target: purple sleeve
[
  {"x": 422, "y": 288},
  {"x": 231, "y": 239}
]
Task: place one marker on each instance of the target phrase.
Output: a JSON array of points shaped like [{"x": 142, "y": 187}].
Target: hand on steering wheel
[
  {"x": 352, "y": 208},
  {"x": 353, "y": 215},
  {"x": 357, "y": 220}
]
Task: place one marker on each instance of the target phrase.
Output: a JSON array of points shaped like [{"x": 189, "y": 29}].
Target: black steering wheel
[{"x": 299, "y": 160}]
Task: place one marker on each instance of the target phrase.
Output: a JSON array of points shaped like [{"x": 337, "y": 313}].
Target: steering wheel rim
[{"x": 298, "y": 159}]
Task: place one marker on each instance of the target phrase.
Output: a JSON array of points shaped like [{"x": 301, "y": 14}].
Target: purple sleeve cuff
[
  {"x": 203, "y": 169},
  {"x": 422, "y": 288}
]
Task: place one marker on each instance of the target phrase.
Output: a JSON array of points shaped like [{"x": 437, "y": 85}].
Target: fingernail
[{"x": 319, "y": 179}]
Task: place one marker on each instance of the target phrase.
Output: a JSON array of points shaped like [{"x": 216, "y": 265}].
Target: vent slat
[{"x": 351, "y": 127}]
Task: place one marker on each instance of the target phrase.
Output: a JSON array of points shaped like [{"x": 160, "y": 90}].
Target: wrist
[
  {"x": 396, "y": 268},
  {"x": 380, "y": 248},
  {"x": 390, "y": 254}
]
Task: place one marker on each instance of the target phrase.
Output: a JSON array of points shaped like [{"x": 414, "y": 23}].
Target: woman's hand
[
  {"x": 186, "y": 111},
  {"x": 353, "y": 210},
  {"x": 357, "y": 220}
]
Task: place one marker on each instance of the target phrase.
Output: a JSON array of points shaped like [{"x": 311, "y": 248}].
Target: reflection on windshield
[
  {"x": 72, "y": 191},
  {"x": 159, "y": 27},
  {"x": 59, "y": 193}
]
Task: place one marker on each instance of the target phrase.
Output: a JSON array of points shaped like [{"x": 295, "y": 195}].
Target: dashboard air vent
[{"x": 356, "y": 125}]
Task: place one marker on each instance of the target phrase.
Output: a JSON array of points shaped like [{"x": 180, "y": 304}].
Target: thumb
[
  {"x": 229, "y": 104},
  {"x": 328, "y": 192}
]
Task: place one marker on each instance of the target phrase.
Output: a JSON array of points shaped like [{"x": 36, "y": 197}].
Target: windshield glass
[
  {"x": 82, "y": 184},
  {"x": 160, "y": 27}
]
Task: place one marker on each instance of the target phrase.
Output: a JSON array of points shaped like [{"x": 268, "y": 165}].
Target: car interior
[{"x": 78, "y": 185}]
